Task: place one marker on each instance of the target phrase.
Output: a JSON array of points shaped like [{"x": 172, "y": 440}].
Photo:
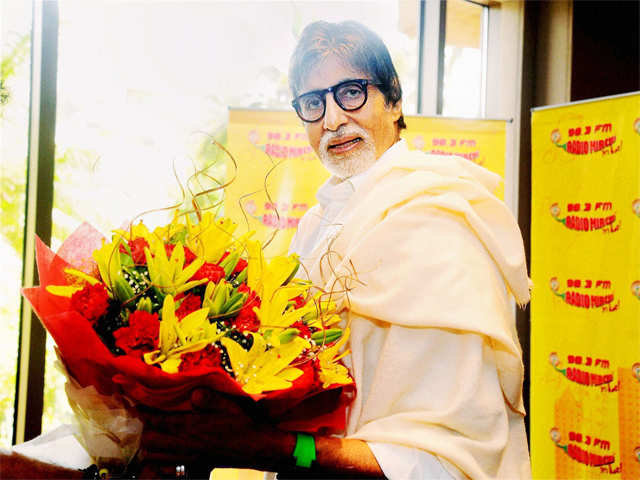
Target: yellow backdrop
[
  {"x": 278, "y": 173},
  {"x": 585, "y": 309}
]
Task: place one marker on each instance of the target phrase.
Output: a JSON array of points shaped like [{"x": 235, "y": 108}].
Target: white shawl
[{"x": 435, "y": 352}]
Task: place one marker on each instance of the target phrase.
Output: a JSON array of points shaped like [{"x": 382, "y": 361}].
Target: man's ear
[{"x": 396, "y": 110}]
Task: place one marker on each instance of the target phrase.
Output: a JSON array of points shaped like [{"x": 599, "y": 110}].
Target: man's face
[{"x": 348, "y": 143}]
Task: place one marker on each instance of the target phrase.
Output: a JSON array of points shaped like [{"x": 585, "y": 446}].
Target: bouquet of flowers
[{"x": 147, "y": 317}]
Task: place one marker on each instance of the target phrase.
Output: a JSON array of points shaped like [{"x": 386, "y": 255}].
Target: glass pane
[
  {"x": 144, "y": 86},
  {"x": 462, "y": 83},
  {"x": 15, "y": 45}
]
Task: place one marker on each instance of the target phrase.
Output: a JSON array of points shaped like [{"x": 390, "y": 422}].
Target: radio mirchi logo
[
  {"x": 585, "y": 449},
  {"x": 586, "y": 294},
  {"x": 585, "y": 370},
  {"x": 588, "y": 139},
  {"x": 587, "y": 216}
]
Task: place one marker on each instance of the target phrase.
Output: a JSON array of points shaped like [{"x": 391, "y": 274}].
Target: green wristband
[{"x": 305, "y": 451}]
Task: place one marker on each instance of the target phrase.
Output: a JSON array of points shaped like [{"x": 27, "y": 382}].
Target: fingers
[
  {"x": 161, "y": 454},
  {"x": 172, "y": 470},
  {"x": 195, "y": 424},
  {"x": 204, "y": 399},
  {"x": 171, "y": 422},
  {"x": 170, "y": 447},
  {"x": 160, "y": 443}
]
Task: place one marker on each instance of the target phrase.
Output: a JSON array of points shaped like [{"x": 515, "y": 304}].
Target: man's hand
[{"x": 217, "y": 433}]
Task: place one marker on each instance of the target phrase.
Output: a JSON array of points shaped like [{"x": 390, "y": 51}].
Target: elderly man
[
  {"x": 433, "y": 259},
  {"x": 434, "y": 349}
]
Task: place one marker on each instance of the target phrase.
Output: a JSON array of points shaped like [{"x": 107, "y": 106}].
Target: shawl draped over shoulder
[{"x": 430, "y": 259}]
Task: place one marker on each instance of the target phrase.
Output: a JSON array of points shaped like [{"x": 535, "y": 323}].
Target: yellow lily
[
  {"x": 256, "y": 264},
  {"x": 266, "y": 279},
  {"x": 167, "y": 274},
  {"x": 331, "y": 372},
  {"x": 139, "y": 230},
  {"x": 272, "y": 312},
  {"x": 210, "y": 238},
  {"x": 165, "y": 233},
  {"x": 108, "y": 259},
  {"x": 261, "y": 370},
  {"x": 317, "y": 312},
  {"x": 77, "y": 280},
  {"x": 192, "y": 333}
]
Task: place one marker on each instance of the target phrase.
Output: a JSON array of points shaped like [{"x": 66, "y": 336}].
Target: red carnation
[
  {"x": 91, "y": 302},
  {"x": 213, "y": 272},
  {"x": 189, "y": 304},
  {"x": 240, "y": 266},
  {"x": 136, "y": 246},
  {"x": 189, "y": 256},
  {"x": 205, "y": 359},
  {"x": 253, "y": 300},
  {"x": 305, "y": 331},
  {"x": 246, "y": 320},
  {"x": 299, "y": 301},
  {"x": 141, "y": 335}
]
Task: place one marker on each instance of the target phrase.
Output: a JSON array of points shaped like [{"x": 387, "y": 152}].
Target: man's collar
[{"x": 340, "y": 189}]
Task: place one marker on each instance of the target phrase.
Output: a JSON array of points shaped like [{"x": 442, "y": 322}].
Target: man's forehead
[{"x": 328, "y": 72}]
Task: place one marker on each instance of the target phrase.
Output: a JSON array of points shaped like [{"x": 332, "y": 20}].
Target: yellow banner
[
  {"x": 278, "y": 173},
  {"x": 480, "y": 141},
  {"x": 585, "y": 308}
]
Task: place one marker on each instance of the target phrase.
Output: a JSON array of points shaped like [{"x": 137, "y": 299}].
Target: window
[
  {"x": 15, "y": 49},
  {"x": 464, "y": 59},
  {"x": 144, "y": 86}
]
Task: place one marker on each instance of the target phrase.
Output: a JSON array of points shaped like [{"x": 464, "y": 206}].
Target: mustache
[{"x": 342, "y": 131}]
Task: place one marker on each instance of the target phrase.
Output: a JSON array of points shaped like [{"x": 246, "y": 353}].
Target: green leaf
[
  {"x": 327, "y": 336},
  {"x": 179, "y": 237},
  {"x": 288, "y": 335}
]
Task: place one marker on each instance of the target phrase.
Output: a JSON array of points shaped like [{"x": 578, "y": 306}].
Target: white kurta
[{"x": 435, "y": 354}]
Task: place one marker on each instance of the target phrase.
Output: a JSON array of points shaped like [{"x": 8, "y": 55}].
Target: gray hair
[{"x": 353, "y": 43}]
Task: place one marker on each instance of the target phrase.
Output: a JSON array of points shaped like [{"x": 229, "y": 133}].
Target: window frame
[{"x": 28, "y": 403}]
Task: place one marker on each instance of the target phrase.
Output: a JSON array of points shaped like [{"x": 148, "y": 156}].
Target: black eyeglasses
[{"x": 349, "y": 95}]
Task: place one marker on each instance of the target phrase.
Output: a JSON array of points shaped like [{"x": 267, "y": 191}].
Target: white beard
[{"x": 350, "y": 163}]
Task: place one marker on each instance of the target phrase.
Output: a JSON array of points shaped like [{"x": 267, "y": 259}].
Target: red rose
[
  {"x": 141, "y": 335},
  {"x": 136, "y": 246},
  {"x": 205, "y": 359},
  {"x": 91, "y": 302},
  {"x": 189, "y": 304},
  {"x": 213, "y": 272}
]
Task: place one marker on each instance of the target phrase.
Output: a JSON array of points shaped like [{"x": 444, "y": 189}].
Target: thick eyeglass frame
[{"x": 362, "y": 82}]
